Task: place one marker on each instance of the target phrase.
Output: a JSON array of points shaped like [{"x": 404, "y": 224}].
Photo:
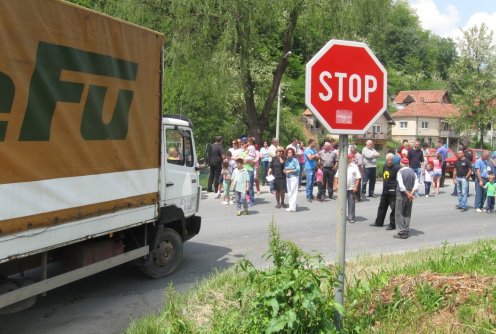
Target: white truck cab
[{"x": 181, "y": 187}]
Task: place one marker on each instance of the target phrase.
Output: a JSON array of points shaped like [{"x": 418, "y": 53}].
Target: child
[
  {"x": 232, "y": 166},
  {"x": 428, "y": 173},
  {"x": 219, "y": 188},
  {"x": 319, "y": 175},
  {"x": 240, "y": 182},
  {"x": 226, "y": 176},
  {"x": 436, "y": 172},
  {"x": 491, "y": 190}
]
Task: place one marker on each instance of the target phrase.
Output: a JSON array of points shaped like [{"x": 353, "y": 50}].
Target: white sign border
[{"x": 308, "y": 80}]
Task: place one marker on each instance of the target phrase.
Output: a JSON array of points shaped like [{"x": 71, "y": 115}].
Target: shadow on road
[{"x": 414, "y": 232}]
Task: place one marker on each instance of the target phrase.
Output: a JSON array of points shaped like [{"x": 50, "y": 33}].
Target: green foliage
[
  {"x": 483, "y": 261},
  {"x": 171, "y": 321},
  {"x": 224, "y": 59},
  {"x": 473, "y": 81},
  {"x": 295, "y": 296},
  {"x": 430, "y": 298}
]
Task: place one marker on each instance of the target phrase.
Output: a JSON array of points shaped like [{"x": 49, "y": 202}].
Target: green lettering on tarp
[
  {"x": 92, "y": 125},
  {"x": 7, "y": 93},
  {"x": 46, "y": 89}
]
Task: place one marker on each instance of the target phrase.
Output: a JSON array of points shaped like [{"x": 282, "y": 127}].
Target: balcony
[
  {"x": 373, "y": 135},
  {"x": 448, "y": 133}
]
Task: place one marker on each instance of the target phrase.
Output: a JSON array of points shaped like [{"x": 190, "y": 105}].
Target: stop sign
[{"x": 346, "y": 87}]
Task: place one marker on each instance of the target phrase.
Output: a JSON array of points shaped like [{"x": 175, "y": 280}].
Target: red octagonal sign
[{"x": 346, "y": 87}]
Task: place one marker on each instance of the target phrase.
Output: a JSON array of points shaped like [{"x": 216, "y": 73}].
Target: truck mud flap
[{"x": 193, "y": 225}]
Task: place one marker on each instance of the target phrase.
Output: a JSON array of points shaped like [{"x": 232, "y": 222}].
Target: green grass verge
[{"x": 451, "y": 289}]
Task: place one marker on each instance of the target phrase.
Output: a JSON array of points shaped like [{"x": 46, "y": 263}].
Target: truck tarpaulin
[{"x": 80, "y": 114}]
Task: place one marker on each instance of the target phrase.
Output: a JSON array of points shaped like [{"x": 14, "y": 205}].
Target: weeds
[
  {"x": 448, "y": 290},
  {"x": 295, "y": 296}
]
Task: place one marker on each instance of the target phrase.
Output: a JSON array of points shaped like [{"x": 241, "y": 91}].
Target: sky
[{"x": 446, "y": 17}]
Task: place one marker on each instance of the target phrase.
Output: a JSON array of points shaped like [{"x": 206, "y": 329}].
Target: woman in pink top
[
  {"x": 301, "y": 159},
  {"x": 437, "y": 164},
  {"x": 319, "y": 178}
]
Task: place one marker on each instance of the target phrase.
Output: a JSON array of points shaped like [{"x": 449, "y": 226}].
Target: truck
[{"x": 92, "y": 175}]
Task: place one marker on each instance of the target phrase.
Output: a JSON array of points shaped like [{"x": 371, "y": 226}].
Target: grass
[{"x": 450, "y": 289}]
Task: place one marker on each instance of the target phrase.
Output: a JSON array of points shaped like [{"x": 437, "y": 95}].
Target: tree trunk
[
  {"x": 257, "y": 124},
  {"x": 481, "y": 129},
  {"x": 282, "y": 65}
]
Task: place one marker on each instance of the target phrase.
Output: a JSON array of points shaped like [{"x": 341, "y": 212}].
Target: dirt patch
[
  {"x": 457, "y": 289},
  {"x": 460, "y": 286}
]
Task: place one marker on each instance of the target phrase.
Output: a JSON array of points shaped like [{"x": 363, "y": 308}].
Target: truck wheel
[
  {"x": 166, "y": 256},
  {"x": 10, "y": 285}
]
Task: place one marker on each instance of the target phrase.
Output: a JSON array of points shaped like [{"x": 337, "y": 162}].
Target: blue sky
[{"x": 446, "y": 17}]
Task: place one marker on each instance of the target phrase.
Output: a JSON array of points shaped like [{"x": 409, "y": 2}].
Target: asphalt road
[{"x": 107, "y": 302}]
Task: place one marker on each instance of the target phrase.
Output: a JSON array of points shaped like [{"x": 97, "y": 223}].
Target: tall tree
[{"x": 473, "y": 81}]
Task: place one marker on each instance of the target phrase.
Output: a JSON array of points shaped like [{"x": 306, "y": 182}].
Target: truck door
[{"x": 181, "y": 178}]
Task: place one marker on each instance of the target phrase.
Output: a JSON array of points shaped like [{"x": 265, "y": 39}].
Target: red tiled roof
[
  {"x": 427, "y": 96},
  {"x": 435, "y": 110},
  {"x": 307, "y": 113}
]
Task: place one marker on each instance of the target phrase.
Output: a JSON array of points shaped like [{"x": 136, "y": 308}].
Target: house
[
  {"x": 312, "y": 124},
  {"x": 424, "y": 115},
  {"x": 379, "y": 131}
]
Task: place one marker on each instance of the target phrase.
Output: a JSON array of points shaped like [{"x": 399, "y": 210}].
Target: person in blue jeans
[
  {"x": 369, "y": 156},
  {"x": 311, "y": 158},
  {"x": 481, "y": 177},
  {"x": 416, "y": 158},
  {"x": 264, "y": 152},
  {"x": 461, "y": 174}
]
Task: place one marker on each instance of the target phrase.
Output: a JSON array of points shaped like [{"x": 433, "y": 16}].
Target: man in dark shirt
[
  {"x": 416, "y": 158},
  {"x": 407, "y": 185},
  {"x": 216, "y": 157},
  {"x": 461, "y": 174},
  {"x": 388, "y": 196}
]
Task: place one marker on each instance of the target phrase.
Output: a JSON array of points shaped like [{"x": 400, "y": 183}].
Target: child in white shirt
[{"x": 428, "y": 173}]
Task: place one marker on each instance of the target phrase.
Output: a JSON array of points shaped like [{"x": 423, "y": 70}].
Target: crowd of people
[{"x": 236, "y": 174}]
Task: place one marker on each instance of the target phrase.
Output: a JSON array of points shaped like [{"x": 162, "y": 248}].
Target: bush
[{"x": 295, "y": 296}]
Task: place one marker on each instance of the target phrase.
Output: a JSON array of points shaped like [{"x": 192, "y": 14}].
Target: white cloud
[
  {"x": 431, "y": 18},
  {"x": 479, "y": 18},
  {"x": 447, "y": 22}
]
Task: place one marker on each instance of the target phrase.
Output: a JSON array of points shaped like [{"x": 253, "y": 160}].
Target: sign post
[{"x": 346, "y": 90}]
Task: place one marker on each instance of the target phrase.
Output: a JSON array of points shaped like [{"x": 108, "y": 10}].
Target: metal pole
[
  {"x": 341, "y": 222},
  {"x": 278, "y": 110}
]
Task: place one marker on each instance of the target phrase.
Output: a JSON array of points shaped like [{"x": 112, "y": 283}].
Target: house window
[
  {"x": 425, "y": 125},
  {"x": 376, "y": 128},
  {"x": 403, "y": 125},
  {"x": 445, "y": 126}
]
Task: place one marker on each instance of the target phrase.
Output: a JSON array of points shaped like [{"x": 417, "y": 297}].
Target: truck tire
[
  {"x": 166, "y": 256},
  {"x": 10, "y": 285}
]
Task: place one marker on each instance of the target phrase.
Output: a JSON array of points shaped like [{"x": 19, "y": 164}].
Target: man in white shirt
[
  {"x": 369, "y": 155},
  {"x": 352, "y": 186},
  {"x": 407, "y": 185}
]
